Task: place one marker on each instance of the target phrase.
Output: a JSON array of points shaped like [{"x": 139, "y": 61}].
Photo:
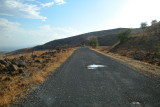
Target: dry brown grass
[
  {"x": 147, "y": 69},
  {"x": 19, "y": 86}
]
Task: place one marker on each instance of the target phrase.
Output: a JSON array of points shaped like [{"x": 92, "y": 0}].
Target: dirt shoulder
[{"x": 149, "y": 70}]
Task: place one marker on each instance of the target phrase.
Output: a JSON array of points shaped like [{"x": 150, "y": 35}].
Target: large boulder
[
  {"x": 20, "y": 71},
  {"x": 12, "y": 67},
  {"x": 2, "y": 67},
  {"x": 37, "y": 61},
  {"x": 43, "y": 56},
  {"x": 21, "y": 64}
]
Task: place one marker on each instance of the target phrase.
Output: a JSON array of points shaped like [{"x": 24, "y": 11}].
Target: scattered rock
[
  {"x": 7, "y": 60},
  {"x": 30, "y": 74},
  {"x": 42, "y": 56},
  {"x": 33, "y": 56},
  {"x": 58, "y": 49},
  {"x": 2, "y": 67},
  {"x": 158, "y": 63},
  {"x": 20, "y": 71},
  {"x": 3, "y": 62},
  {"x": 29, "y": 61},
  {"x": 21, "y": 64},
  {"x": 140, "y": 55},
  {"x": 1, "y": 93},
  {"x": 43, "y": 65},
  {"x": 22, "y": 57},
  {"x": 12, "y": 67},
  {"x": 25, "y": 74},
  {"x": 37, "y": 61},
  {"x": 14, "y": 61},
  {"x": 49, "y": 53},
  {"x": 64, "y": 50},
  {"x": 47, "y": 60},
  {"x": 5, "y": 70},
  {"x": 22, "y": 85},
  {"x": 7, "y": 79}
]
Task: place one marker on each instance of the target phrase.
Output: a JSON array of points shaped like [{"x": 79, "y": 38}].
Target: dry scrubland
[
  {"x": 143, "y": 46},
  {"x": 19, "y": 74},
  {"x": 141, "y": 51}
]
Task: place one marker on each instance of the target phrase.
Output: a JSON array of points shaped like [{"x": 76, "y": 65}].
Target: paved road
[{"x": 74, "y": 85}]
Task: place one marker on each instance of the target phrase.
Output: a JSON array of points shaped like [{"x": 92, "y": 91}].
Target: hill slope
[
  {"x": 105, "y": 37},
  {"x": 142, "y": 46}
]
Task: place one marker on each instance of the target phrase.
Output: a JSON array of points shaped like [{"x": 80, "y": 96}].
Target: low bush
[
  {"x": 93, "y": 42},
  {"x": 124, "y": 35}
]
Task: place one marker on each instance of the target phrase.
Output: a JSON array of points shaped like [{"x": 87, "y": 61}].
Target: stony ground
[{"x": 19, "y": 74}]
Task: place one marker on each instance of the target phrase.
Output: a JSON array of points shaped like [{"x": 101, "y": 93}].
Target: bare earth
[{"x": 115, "y": 85}]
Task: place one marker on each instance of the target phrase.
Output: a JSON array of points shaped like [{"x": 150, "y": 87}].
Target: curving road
[{"x": 74, "y": 85}]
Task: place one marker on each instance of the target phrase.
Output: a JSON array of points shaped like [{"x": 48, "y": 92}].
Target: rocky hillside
[
  {"x": 105, "y": 37},
  {"x": 142, "y": 46},
  {"x": 19, "y": 73}
]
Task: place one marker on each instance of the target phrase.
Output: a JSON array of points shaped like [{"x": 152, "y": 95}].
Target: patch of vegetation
[
  {"x": 143, "y": 46},
  {"x": 144, "y": 25},
  {"x": 154, "y": 22},
  {"x": 83, "y": 45},
  {"x": 124, "y": 35},
  {"x": 158, "y": 48},
  {"x": 94, "y": 42}
]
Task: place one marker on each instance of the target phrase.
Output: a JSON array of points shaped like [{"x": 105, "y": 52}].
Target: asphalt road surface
[{"x": 115, "y": 85}]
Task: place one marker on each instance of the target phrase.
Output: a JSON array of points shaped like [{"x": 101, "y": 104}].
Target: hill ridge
[{"x": 105, "y": 37}]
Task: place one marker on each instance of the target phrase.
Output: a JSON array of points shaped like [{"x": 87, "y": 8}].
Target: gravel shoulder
[
  {"x": 149, "y": 70},
  {"x": 115, "y": 85}
]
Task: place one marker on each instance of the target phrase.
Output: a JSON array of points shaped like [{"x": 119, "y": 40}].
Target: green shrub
[
  {"x": 93, "y": 42},
  {"x": 143, "y": 25},
  {"x": 154, "y": 22},
  {"x": 83, "y": 45},
  {"x": 124, "y": 35},
  {"x": 158, "y": 47}
]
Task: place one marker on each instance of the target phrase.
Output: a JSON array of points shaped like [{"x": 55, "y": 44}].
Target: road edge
[{"x": 146, "y": 69}]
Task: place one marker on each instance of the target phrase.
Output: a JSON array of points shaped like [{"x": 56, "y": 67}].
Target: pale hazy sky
[{"x": 34, "y": 22}]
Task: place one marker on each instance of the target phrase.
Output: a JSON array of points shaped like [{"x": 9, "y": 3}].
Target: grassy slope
[
  {"x": 142, "y": 46},
  {"x": 13, "y": 87}
]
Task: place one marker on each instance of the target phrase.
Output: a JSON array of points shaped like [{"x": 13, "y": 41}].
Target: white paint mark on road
[{"x": 94, "y": 66}]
